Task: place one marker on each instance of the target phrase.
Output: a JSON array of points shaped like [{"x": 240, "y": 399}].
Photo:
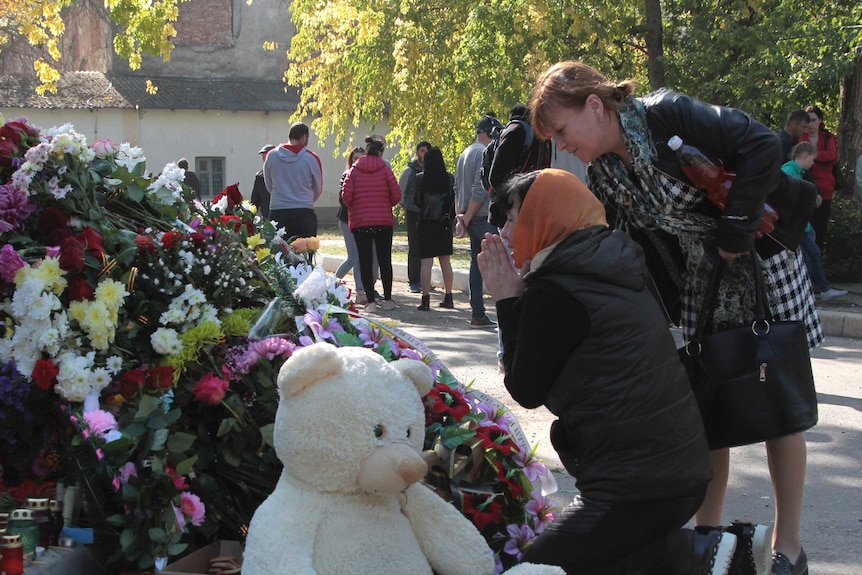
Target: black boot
[
  {"x": 447, "y": 302},
  {"x": 426, "y": 303}
]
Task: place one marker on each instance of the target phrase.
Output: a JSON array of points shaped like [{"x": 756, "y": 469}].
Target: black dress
[{"x": 436, "y": 218}]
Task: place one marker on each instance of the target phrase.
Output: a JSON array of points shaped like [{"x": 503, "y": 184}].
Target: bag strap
[{"x": 707, "y": 309}]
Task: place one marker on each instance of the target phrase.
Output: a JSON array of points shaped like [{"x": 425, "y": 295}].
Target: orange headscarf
[{"x": 556, "y": 205}]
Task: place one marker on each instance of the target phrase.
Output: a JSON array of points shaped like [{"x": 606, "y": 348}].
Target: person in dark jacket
[
  {"x": 628, "y": 428},
  {"x": 407, "y": 183},
  {"x": 259, "y": 194},
  {"x": 639, "y": 178},
  {"x": 518, "y": 151},
  {"x": 435, "y": 198},
  {"x": 191, "y": 179}
]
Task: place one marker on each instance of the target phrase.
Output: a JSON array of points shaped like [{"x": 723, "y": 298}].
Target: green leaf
[
  {"x": 148, "y": 405},
  {"x": 186, "y": 465},
  {"x": 116, "y": 520},
  {"x": 227, "y": 424},
  {"x": 267, "y": 433},
  {"x": 160, "y": 436},
  {"x": 181, "y": 442},
  {"x": 157, "y": 535},
  {"x": 348, "y": 339},
  {"x": 454, "y": 436},
  {"x": 135, "y": 192},
  {"x": 128, "y": 539},
  {"x": 232, "y": 456},
  {"x": 177, "y": 548}
]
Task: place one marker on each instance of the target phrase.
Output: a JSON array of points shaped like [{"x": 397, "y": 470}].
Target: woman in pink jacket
[{"x": 370, "y": 191}]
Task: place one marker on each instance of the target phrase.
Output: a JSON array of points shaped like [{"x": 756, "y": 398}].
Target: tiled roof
[{"x": 84, "y": 90}]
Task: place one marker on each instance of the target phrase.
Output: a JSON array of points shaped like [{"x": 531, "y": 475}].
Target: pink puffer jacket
[{"x": 370, "y": 190}]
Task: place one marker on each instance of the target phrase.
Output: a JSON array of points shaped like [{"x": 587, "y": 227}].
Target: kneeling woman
[{"x": 583, "y": 335}]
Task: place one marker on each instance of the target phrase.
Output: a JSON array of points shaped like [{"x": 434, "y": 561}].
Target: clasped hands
[{"x": 499, "y": 275}]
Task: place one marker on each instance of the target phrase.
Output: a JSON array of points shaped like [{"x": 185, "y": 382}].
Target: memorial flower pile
[{"x": 141, "y": 333}]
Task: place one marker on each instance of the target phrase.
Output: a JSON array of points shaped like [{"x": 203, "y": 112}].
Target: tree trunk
[
  {"x": 850, "y": 118},
  {"x": 655, "y": 47}
]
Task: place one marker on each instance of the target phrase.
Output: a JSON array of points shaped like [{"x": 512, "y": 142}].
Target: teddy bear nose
[{"x": 412, "y": 470}]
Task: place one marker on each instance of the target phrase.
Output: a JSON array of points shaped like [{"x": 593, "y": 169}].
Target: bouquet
[{"x": 142, "y": 333}]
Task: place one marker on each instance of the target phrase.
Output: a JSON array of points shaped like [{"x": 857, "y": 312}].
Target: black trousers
[
  {"x": 369, "y": 240},
  {"x": 297, "y": 222},
  {"x": 593, "y": 537},
  {"x": 414, "y": 262},
  {"x": 820, "y": 223}
]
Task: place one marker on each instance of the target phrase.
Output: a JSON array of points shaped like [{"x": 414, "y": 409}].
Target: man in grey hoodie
[{"x": 294, "y": 177}]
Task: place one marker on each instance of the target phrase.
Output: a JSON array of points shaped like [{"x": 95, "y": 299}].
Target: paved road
[{"x": 832, "y": 521}]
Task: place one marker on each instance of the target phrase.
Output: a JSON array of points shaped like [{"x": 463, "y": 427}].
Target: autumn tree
[{"x": 140, "y": 26}]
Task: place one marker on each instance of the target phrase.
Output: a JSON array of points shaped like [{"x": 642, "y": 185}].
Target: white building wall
[{"x": 165, "y": 136}]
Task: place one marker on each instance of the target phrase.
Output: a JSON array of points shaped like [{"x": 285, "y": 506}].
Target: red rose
[
  {"x": 45, "y": 374},
  {"x": 161, "y": 377},
  {"x": 71, "y": 255},
  {"x": 210, "y": 389},
  {"x": 170, "y": 239},
  {"x": 91, "y": 239},
  {"x": 8, "y": 149},
  {"x": 132, "y": 381},
  {"x": 198, "y": 239},
  {"x": 79, "y": 288},
  {"x": 54, "y": 224},
  {"x": 145, "y": 244}
]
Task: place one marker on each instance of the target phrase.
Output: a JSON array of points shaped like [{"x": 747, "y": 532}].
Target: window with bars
[{"x": 211, "y": 174}]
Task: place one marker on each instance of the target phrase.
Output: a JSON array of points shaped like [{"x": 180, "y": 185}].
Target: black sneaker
[
  {"x": 753, "y": 554},
  {"x": 702, "y": 551},
  {"x": 781, "y": 564},
  {"x": 415, "y": 288}
]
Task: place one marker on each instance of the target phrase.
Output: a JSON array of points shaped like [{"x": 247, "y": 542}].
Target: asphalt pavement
[{"x": 832, "y": 512}]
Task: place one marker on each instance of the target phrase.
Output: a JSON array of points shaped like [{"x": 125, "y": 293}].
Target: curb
[{"x": 835, "y": 323}]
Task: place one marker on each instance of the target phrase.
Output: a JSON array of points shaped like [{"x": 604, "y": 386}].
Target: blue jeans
[
  {"x": 479, "y": 226},
  {"x": 813, "y": 261}
]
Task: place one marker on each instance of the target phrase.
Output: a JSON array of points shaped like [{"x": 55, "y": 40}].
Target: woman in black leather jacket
[{"x": 639, "y": 179}]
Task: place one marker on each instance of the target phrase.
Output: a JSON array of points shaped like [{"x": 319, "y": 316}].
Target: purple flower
[
  {"x": 372, "y": 336},
  {"x": 15, "y": 207},
  {"x": 533, "y": 468},
  {"x": 323, "y": 327},
  {"x": 10, "y": 262},
  {"x": 520, "y": 537},
  {"x": 542, "y": 508}
]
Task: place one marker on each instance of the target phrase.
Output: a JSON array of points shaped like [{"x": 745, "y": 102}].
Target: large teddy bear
[{"x": 349, "y": 430}]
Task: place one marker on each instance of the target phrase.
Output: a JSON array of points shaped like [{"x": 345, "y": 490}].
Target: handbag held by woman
[{"x": 752, "y": 383}]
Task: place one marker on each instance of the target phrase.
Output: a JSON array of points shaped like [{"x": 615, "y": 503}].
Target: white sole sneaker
[
  {"x": 761, "y": 549},
  {"x": 723, "y": 554}
]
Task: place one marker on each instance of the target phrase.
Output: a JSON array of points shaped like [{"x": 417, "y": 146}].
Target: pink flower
[
  {"x": 100, "y": 422},
  {"x": 210, "y": 389},
  {"x": 103, "y": 148},
  {"x": 193, "y": 507},
  {"x": 127, "y": 471},
  {"x": 181, "y": 519},
  {"x": 10, "y": 262}
]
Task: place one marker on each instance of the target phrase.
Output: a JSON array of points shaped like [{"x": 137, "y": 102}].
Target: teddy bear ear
[
  {"x": 307, "y": 366},
  {"x": 417, "y": 371}
]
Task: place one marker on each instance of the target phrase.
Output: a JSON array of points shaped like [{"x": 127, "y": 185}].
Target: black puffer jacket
[{"x": 629, "y": 426}]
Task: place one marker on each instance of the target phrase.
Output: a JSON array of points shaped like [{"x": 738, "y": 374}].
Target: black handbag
[{"x": 752, "y": 383}]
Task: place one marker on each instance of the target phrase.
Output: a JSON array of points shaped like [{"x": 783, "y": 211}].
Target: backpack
[{"x": 491, "y": 149}]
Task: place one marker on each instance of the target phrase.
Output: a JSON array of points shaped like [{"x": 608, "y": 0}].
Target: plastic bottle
[{"x": 708, "y": 174}]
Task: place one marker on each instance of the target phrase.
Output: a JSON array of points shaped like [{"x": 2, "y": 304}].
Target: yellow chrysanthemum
[
  {"x": 77, "y": 309},
  {"x": 254, "y": 241},
  {"x": 111, "y": 293},
  {"x": 238, "y": 322},
  {"x": 54, "y": 277}
]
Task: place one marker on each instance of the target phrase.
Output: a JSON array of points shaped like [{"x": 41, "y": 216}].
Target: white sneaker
[{"x": 832, "y": 293}]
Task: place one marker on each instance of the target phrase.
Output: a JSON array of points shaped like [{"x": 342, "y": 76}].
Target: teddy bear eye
[
  {"x": 378, "y": 431},
  {"x": 408, "y": 433}
]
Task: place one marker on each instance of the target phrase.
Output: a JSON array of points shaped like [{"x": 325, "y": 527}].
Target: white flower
[
  {"x": 129, "y": 156},
  {"x": 166, "y": 341},
  {"x": 114, "y": 364}
]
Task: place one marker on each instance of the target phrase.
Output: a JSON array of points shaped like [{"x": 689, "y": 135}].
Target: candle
[{"x": 12, "y": 560}]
